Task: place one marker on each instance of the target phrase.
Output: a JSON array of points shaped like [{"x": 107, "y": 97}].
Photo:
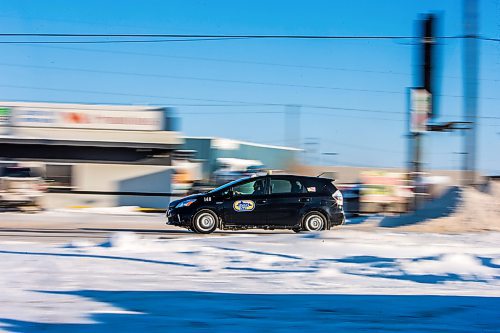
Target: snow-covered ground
[{"x": 341, "y": 280}]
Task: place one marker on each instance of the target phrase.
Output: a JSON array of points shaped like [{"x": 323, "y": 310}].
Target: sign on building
[
  {"x": 420, "y": 108},
  {"x": 140, "y": 120},
  {"x": 4, "y": 116},
  {"x": 4, "y": 120}
]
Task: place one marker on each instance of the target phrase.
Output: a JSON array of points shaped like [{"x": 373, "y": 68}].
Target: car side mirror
[{"x": 229, "y": 194}]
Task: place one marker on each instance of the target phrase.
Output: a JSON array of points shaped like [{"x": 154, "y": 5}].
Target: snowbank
[{"x": 458, "y": 210}]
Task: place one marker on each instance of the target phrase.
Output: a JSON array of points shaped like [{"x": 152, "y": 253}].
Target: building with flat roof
[
  {"x": 103, "y": 133},
  {"x": 119, "y": 149},
  {"x": 88, "y": 147},
  {"x": 212, "y": 152}
]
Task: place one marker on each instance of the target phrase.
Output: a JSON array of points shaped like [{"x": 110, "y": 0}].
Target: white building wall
[
  {"x": 115, "y": 178},
  {"x": 111, "y": 177}
]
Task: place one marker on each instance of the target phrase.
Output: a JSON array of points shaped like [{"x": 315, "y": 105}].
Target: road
[{"x": 58, "y": 227}]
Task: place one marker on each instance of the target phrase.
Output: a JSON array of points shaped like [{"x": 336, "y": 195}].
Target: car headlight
[{"x": 185, "y": 203}]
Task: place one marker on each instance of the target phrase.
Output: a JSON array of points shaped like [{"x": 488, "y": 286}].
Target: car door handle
[
  {"x": 305, "y": 199},
  {"x": 261, "y": 202}
]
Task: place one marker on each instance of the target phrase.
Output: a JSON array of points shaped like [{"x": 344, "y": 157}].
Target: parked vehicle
[
  {"x": 352, "y": 197},
  {"x": 267, "y": 202},
  {"x": 20, "y": 188}
]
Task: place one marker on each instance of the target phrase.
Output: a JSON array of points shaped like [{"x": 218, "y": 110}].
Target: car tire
[
  {"x": 314, "y": 221},
  {"x": 204, "y": 222},
  {"x": 296, "y": 230}
]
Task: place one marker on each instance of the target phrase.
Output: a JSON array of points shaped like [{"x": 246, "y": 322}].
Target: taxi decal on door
[{"x": 244, "y": 205}]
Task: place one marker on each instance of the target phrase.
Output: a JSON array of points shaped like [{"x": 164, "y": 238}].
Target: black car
[{"x": 268, "y": 202}]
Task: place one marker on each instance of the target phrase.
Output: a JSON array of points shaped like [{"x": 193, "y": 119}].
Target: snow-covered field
[{"x": 341, "y": 280}]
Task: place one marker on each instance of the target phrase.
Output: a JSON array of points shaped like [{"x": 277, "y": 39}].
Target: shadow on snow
[
  {"x": 186, "y": 311},
  {"x": 390, "y": 269}
]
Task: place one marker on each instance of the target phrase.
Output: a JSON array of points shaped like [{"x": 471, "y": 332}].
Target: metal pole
[
  {"x": 410, "y": 147},
  {"x": 425, "y": 83},
  {"x": 417, "y": 168},
  {"x": 470, "y": 86}
]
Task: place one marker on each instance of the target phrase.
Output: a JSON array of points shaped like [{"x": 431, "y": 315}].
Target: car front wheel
[
  {"x": 204, "y": 222},
  {"x": 314, "y": 221}
]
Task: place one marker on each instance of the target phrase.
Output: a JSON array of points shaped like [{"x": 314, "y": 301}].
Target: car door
[
  {"x": 287, "y": 199},
  {"x": 248, "y": 204}
]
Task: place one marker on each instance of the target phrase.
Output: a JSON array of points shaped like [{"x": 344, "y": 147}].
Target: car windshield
[
  {"x": 17, "y": 172},
  {"x": 225, "y": 186}
]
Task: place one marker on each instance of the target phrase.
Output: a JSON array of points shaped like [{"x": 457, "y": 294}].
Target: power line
[
  {"x": 277, "y": 84},
  {"x": 178, "y": 37},
  {"x": 201, "y": 37},
  {"x": 226, "y": 113},
  {"x": 227, "y": 60},
  {"x": 263, "y": 63},
  {"x": 236, "y": 103},
  {"x": 103, "y": 35},
  {"x": 232, "y": 112},
  {"x": 489, "y": 39},
  {"x": 121, "y": 41}
]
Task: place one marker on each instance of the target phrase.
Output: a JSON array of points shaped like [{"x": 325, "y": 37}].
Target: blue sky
[{"x": 217, "y": 87}]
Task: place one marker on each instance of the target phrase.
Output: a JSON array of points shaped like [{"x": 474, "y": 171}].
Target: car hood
[{"x": 192, "y": 196}]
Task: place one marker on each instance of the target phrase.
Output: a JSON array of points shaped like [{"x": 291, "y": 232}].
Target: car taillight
[{"x": 339, "y": 199}]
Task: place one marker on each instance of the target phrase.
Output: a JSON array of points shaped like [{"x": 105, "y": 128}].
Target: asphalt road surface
[{"x": 62, "y": 227}]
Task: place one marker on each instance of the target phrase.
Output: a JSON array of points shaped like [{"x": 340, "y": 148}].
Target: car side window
[
  {"x": 286, "y": 186},
  {"x": 254, "y": 187}
]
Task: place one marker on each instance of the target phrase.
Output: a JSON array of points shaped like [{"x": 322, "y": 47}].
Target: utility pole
[
  {"x": 292, "y": 125},
  {"x": 470, "y": 86},
  {"x": 421, "y": 106}
]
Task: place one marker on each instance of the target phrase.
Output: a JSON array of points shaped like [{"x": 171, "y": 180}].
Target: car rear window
[
  {"x": 301, "y": 185},
  {"x": 318, "y": 185}
]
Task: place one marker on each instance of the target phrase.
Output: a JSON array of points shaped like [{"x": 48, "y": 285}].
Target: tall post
[
  {"x": 292, "y": 125},
  {"x": 421, "y": 106},
  {"x": 470, "y": 86}
]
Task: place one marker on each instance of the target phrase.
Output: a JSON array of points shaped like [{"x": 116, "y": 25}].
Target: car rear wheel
[
  {"x": 204, "y": 222},
  {"x": 314, "y": 221}
]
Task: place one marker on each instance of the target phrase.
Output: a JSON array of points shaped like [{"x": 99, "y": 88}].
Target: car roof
[
  {"x": 285, "y": 176},
  {"x": 321, "y": 179},
  {"x": 296, "y": 176}
]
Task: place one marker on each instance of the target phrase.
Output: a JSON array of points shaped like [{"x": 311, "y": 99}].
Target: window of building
[{"x": 59, "y": 175}]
